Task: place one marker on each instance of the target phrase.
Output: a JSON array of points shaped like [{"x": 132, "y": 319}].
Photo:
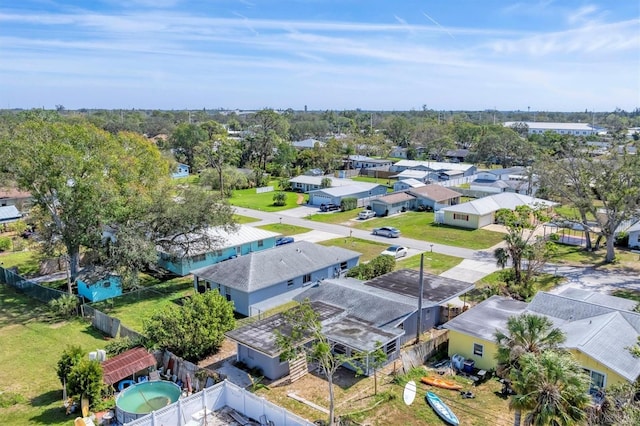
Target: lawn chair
[{"x": 154, "y": 376}]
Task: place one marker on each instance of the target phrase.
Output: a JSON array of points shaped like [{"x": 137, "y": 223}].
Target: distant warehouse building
[{"x": 575, "y": 129}]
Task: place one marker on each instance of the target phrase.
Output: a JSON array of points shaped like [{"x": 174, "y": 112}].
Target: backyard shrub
[
  {"x": 85, "y": 378},
  {"x": 69, "y": 358},
  {"x": 280, "y": 198},
  {"x": 200, "y": 324},
  {"x": 5, "y": 243},
  {"x": 64, "y": 306},
  {"x": 349, "y": 203},
  {"x": 622, "y": 239},
  {"x": 377, "y": 266},
  {"x": 120, "y": 345}
]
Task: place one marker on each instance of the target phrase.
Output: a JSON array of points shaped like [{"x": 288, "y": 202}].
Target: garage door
[{"x": 318, "y": 199}]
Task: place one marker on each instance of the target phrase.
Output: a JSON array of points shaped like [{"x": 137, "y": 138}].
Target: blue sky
[{"x": 564, "y": 55}]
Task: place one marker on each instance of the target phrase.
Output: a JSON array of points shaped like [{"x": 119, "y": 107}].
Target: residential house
[
  {"x": 404, "y": 184},
  {"x": 355, "y": 315},
  {"x": 358, "y": 190},
  {"x": 398, "y": 152},
  {"x": 306, "y": 183},
  {"x": 393, "y": 203},
  {"x": 14, "y": 197},
  {"x": 364, "y": 162},
  {"x": 181, "y": 170},
  {"x": 481, "y": 212},
  {"x": 434, "y": 166},
  {"x": 419, "y": 175},
  {"x": 456, "y": 155},
  {"x": 575, "y": 129},
  {"x": 264, "y": 279},
  {"x": 9, "y": 214},
  {"x": 632, "y": 229},
  {"x": 435, "y": 197},
  {"x": 308, "y": 143},
  {"x": 599, "y": 329},
  {"x": 246, "y": 239},
  {"x": 513, "y": 179}
]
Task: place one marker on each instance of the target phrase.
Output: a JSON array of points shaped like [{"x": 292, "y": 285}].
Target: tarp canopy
[{"x": 127, "y": 363}]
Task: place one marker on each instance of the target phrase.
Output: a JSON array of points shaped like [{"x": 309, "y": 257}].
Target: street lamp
[
  {"x": 280, "y": 221},
  {"x": 431, "y": 247}
]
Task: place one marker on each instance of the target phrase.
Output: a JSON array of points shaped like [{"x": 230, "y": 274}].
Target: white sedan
[{"x": 396, "y": 251}]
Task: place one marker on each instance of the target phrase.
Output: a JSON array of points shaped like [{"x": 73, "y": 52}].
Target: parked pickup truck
[{"x": 329, "y": 207}]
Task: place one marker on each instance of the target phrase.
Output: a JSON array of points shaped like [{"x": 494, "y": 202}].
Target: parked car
[
  {"x": 280, "y": 241},
  {"x": 329, "y": 207},
  {"x": 366, "y": 214},
  {"x": 396, "y": 251},
  {"x": 387, "y": 231}
]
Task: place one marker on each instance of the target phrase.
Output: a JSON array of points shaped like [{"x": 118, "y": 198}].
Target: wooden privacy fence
[{"x": 417, "y": 355}]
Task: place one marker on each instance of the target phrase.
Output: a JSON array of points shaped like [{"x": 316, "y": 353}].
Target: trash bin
[{"x": 468, "y": 365}]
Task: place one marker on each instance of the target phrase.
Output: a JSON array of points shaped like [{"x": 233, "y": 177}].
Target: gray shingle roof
[
  {"x": 435, "y": 192},
  {"x": 484, "y": 319},
  {"x": 493, "y": 203},
  {"x": 375, "y": 309},
  {"x": 265, "y": 268},
  {"x": 600, "y": 332},
  {"x": 599, "y": 299},
  {"x": 9, "y": 213}
]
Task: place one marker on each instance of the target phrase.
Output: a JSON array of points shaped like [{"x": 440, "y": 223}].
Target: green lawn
[
  {"x": 240, "y": 219},
  {"x": 248, "y": 198},
  {"x": 132, "y": 309},
  {"x": 334, "y": 217},
  {"x": 285, "y": 229},
  {"x": 420, "y": 226},
  {"x": 577, "y": 256},
  {"x": 369, "y": 249},
  {"x": 434, "y": 263},
  {"x": 26, "y": 261},
  {"x": 381, "y": 181},
  {"x": 31, "y": 347}
]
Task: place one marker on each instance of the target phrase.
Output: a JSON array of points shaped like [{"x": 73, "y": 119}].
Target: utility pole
[{"x": 420, "y": 291}]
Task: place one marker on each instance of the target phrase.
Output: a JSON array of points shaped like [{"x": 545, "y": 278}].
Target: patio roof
[{"x": 126, "y": 364}]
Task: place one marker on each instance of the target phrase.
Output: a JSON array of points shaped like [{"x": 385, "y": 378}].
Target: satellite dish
[{"x": 409, "y": 392}]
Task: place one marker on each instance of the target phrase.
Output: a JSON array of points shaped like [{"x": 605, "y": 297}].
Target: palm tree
[
  {"x": 525, "y": 334},
  {"x": 553, "y": 387}
]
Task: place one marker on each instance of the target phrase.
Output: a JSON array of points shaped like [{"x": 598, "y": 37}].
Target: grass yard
[
  {"x": 627, "y": 294},
  {"x": 381, "y": 181},
  {"x": 248, "y": 198},
  {"x": 577, "y": 256},
  {"x": 26, "y": 261},
  {"x": 434, "y": 263},
  {"x": 240, "y": 219},
  {"x": 368, "y": 249},
  {"x": 420, "y": 226},
  {"x": 285, "y": 229},
  {"x": 337, "y": 217},
  {"x": 355, "y": 399},
  {"x": 132, "y": 309},
  {"x": 31, "y": 347}
]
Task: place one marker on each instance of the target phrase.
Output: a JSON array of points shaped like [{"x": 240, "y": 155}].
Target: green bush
[
  {"x": 349, "y": 203},
  {"x": 5, "y": 243},
  {"x": 280, "y": 198},
  {"x": 120, "y": 345},
  {"x": 64, "y": 306},
  {"x": 377, "y": 266},
  {"x": 85, "y": 378},
  {"x": 70, "y": 357}
]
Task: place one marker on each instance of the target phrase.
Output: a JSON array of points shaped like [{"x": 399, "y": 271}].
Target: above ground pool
[{"x": 142, "y": 398}]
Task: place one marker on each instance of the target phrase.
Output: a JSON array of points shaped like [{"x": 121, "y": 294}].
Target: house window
[
  {"x": 391, "y": 348},
  {"x": 260, "y": 243},
  {"x": 306, "y": 278},
  {"x": 289, "y": 283},
  {"x": 198, "y": 258},
  {"x": 458, "y": 216},
  {"x": 598, "y": 380},
  {"x": 478, "y": 349},
  {"x": 343, "y": 266},
  {"x": 339, "y": 349}
]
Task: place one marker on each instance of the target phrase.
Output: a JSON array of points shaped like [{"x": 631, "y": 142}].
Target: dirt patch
[
  {"x": 300, "y": 199},
  {"x": 227, "y": 352},
  {"x": 58, "y": 324}
]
